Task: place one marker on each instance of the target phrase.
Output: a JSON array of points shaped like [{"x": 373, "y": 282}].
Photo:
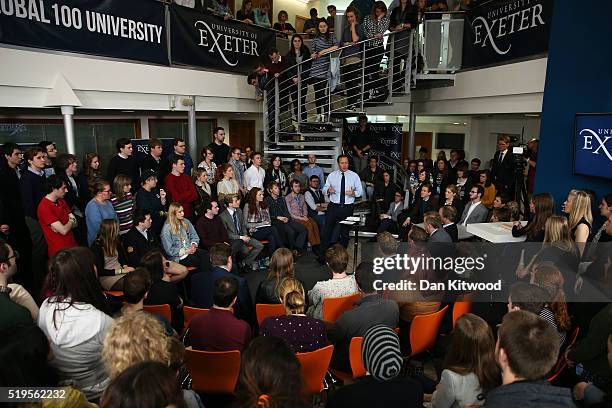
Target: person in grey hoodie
[
  {"x": 76, "y": 321},
  {"x": 527, "y": 349}
]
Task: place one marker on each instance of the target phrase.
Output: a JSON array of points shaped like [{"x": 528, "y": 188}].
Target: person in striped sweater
[{"x": 123, "y": 202}]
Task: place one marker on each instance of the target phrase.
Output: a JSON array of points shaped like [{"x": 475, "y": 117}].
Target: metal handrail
[
  {"x": 279, "y": 99},
  {"x": 345, "y": 47}
]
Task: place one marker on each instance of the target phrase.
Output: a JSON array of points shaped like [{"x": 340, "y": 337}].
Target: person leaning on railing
[
  {"x": 351, "y": 57},
  {"x": 282, "y": 24},
  {"x": 221, "y": 8},
  {"x": 321, "y": 46},
  {"x": 298, "y": 53},
  {"x": 374, "y": 27},
  {"x": 262, "y": 14},
  {"x": 403, "y": 19},
  {"x": 246, "y": 13}
]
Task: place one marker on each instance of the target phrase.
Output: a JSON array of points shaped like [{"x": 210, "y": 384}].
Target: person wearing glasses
[
  {"x": 474, "y": 212},
  {"x": 98, "y": 209},
  {"x": 12, "y": 310}
]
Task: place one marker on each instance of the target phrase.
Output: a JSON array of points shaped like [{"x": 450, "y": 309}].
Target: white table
[{"x": 496, "y": 232}]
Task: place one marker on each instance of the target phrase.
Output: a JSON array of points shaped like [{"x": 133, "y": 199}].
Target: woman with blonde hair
[
  {"x": 470, "y": 370},
  {"x": 281, "y": 267},
  {"x": 180, "y": 240},
  {"x": 134, "y": 338},
  {"x": 123, "y": 202},
  {"x": 308, "y": 334},
  {"x": 226, "y": 183},
  {"x": 548, "y": 277},
  {"x": 110, "y": 256},
  {"x": 578, "y": 208},
  {"x": 558, "y": 247}
]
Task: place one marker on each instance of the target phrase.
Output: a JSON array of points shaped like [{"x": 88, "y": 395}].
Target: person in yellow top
[{"x": 489, "y": 188}]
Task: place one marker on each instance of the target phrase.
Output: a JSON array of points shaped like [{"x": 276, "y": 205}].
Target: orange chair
[
  {"x": 162, "y": 310},
  {"x": 263, "y": 310},
  {"x": 213, "y": 372},
  {"x": 357, "y": 367},
  {"x": 334, "y": 307},
  {"x": 314, "y": 365},
  {"x": 189, "y": 312},
  {"x": 462, "y": 307},
  {"x": 424, "y": 331},
  {"x": 561, "y": 364},
  {"x": 115, "y": 293}
]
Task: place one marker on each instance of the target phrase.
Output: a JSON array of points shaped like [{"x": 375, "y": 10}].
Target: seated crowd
[{"x": 168, "y": 230}]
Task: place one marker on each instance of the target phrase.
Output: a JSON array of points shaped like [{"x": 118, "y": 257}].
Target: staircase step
[{"x": 305, "y": 143}]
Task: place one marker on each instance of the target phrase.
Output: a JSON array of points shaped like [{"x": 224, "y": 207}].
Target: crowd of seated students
[{"x": 221, "y": 242}]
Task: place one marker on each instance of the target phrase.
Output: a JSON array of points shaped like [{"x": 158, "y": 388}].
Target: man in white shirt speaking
[{"x": 342, "y": 187}]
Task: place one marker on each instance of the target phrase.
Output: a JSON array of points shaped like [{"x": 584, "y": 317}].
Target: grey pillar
[
  {"x": 193, "y": 137},
  {"x": 411, "y": 136},
  {"x": 68, "y": 113}
]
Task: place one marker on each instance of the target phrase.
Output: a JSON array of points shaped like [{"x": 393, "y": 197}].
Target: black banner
[
  {"x": 212, "y": 42},
  {"x": 499, "y": 32},
  {"x": 386, "y": 139},
  {"x": 133, "y": 29}
]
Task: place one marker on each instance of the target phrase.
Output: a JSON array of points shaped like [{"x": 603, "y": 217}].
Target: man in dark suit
[
  {"x": 502, "y": 167},
  {"x": 448, "y": 214},
  {"x": 140, "y": 239},
  {"x": 426, "y": 202},
  {"x": 202, "y": 283},
  {"x": 153, "y": 161},
  {"x": 233, "y": 221},
  {"x": 433, "y": 226},
  {"x": 474, "y": 212}
]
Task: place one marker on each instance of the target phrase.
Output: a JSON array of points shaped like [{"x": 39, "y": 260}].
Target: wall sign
[
  {"x": 132, "y": 29},
  {"x": 593, "y": 145},
  {"x": 210, "y": 41},
  {"x": 500, "y": 32},
  {"x": 386, "y": 140}
]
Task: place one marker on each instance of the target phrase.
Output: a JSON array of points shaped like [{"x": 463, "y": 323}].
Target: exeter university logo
[
  {"x": 496, "y": 29},
  {"x": 597, "y": 141}
]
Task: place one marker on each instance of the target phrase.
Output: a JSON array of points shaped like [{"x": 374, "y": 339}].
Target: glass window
[
  {"x": 171, "y": 128},
  {"x": 90, "y": 136}
]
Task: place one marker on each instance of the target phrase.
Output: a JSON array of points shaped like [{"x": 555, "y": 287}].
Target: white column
[
  {"x": 193, "y": 138},
  {"x": 68, "y": 113},
  {"x": 411, "y": 134}
]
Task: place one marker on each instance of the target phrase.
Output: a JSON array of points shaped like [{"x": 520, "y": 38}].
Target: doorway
[
  {"x": 242, "y": 133},
  {"x": 422, "y": 139}
]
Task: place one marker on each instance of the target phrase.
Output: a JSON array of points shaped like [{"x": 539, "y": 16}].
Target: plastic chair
[
  {"x": 462, "y": 307},
  {"x": 357, "y": 367},
  {"x": 162, "y": 310},
  {"x": 213, "y": 372},
  {"x": 115, "y": 293},
  {"x": 314, "y": 365},
  {"x": 263, "y": 310},
  {"x": 424, "y": 331},
  {"x": 561, "y": 364},
  {"x": 190, "y": 312},
  {"x": 334, "y": 307}
]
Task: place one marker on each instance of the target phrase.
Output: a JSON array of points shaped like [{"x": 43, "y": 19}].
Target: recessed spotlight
[
  {"x": 456, "y": 123},
  {"x": 128, "y": 111}
]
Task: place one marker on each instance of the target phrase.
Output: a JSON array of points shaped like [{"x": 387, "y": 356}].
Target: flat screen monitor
[
  {"x": 593, "y": 145},
  {"x": 449, "y": 140}
]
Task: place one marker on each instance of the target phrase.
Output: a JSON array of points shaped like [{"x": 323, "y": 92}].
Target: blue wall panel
[{"x": 578, "y": 80}]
